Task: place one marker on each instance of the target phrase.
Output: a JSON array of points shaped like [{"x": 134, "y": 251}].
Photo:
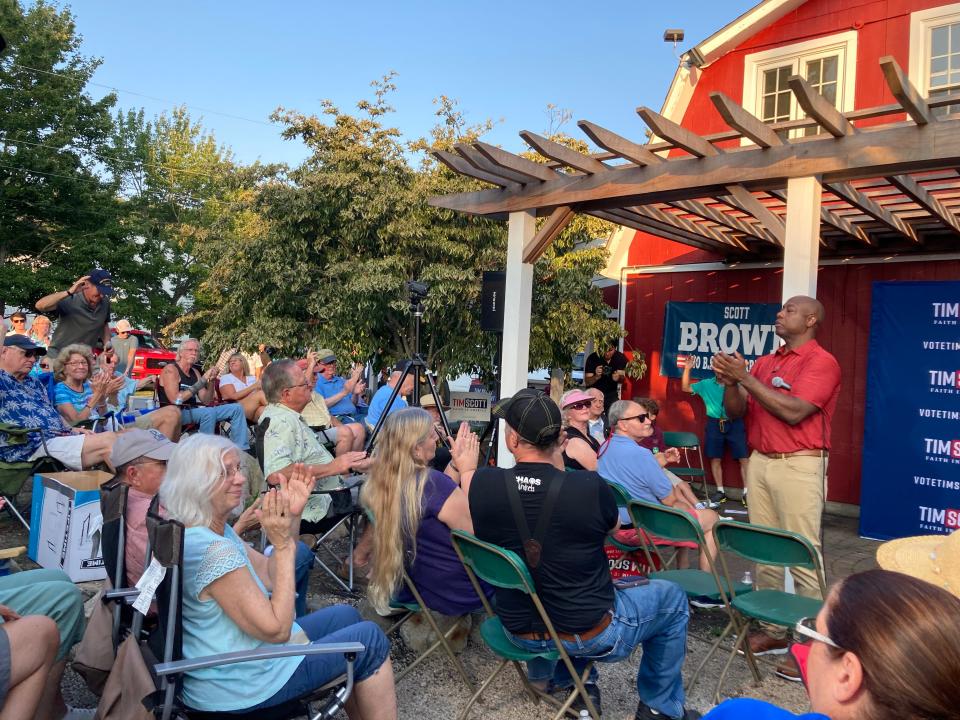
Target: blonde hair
[
  {"x": 394, "y": 495},
  {"x": 243, "y": 364},
  {"x": 63, "y": 357}
]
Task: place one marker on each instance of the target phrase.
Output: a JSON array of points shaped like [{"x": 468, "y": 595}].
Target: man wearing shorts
[
  {"x": 24, "y": 403},
  {"x": 721, "y": 430}
]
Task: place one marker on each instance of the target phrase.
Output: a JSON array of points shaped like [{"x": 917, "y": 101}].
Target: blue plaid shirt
[{"x": 26, "y": 404}]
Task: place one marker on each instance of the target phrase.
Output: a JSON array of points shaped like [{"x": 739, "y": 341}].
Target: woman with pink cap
[{"x": 580, "y": 452}]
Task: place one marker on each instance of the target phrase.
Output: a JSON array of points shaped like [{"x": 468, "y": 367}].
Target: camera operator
[{"x": 606, "y": 373}]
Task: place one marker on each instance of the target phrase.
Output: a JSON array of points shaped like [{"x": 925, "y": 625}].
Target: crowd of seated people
[{"x": 880, "y": 648}]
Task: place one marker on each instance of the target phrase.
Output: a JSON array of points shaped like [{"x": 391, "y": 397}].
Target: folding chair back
[
  {"x": 14, "y": 475},
  {"x": 113, "y": 508},
  {"x": 665, "y": 522},
  {"x": 259, "y": 434},
  {"x": 687, "y": 441},
  {"x": 503, "y": 568},
  {"x": 766, "y": 545},
  {"x": 619, "y": 494}
]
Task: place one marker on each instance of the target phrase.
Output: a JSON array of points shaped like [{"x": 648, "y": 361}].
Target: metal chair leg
[{"x": 486, "y": 683}]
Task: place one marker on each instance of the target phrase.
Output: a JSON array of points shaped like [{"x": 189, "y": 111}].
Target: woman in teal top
[{"x": 234, "y": 598}]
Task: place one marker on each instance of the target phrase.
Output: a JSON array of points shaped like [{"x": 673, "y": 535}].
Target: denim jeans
[
  {"x": 302, "y": 567},
  {"x": 337, "y": 623},
  {"x": 654, "y": 616},
  {"x": 208, "y": 417}
]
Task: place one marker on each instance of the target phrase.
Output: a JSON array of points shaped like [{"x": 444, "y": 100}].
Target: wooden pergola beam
[
  {"x": 852, "y": 231},
  {"x": 854, "y": 197},
  {"x": 553, "y": 226},
  {"x": 904, "y": 91},
  {"x": 619, "y": 146},
  {"x": 562, "y": 154},
  {"x": 473, "y": 156},
  {"x": 680, "y": 223},
  {"x": 459, "y": 165},
  {"x": 819, "y": 108},
  {"x": 880, "y": 152},
  {"x": 750, "y": 126},
  {"x": 515, "y": 163},
  {"x": 916, "y": 192},
  {"x": 647, "y": 225},
  {"x": 685, "y": 139},
  {"x": 744, "y": 200},
  {"x": 700, "y": 209}
]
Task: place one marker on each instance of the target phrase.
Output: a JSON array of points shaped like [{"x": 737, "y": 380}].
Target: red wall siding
[{"x": 845, "y": 291}]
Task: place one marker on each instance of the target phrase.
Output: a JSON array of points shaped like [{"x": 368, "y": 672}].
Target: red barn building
[{"x": 836, "y": 45}]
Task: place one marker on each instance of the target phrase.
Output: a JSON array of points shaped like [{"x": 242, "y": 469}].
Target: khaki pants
[{"x": 788, "y": 493}]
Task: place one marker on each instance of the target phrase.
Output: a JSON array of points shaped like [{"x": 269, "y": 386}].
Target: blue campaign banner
[
  {"x": 699, "y": 330},
  {"x": 911, "y": 443}
]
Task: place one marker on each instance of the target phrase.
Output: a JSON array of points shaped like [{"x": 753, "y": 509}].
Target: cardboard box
[{"x": 65, "y": 523}]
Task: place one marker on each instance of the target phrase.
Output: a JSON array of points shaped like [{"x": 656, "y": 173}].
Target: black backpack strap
[{"x": 532, "y": 546}]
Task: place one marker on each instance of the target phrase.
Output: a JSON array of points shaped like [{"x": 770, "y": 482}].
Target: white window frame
[
  {"x": 755, "y": 63},
  {"x": 921, "y": 23}
]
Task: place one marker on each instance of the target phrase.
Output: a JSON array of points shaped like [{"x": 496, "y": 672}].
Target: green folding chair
[
  {"x": 623, "y": 499},
  {"x": 687, "y": 441},
  {"x": 504, "y": 569},
  {"x": 14, "y": 475},
  {"x": 407, "y": 610},
  {"x": 679, "y": 526},
  {"x": 417, "y": 605},
  {"x": 766, "y": 546}
]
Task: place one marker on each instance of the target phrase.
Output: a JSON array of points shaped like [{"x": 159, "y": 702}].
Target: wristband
[{"x": 69, "y": 294}]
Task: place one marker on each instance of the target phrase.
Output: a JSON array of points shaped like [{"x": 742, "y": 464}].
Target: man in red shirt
[{"x": 788, "y": 398}]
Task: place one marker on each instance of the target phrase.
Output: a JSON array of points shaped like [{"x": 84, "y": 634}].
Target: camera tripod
[{"x": 416, "y": 364}]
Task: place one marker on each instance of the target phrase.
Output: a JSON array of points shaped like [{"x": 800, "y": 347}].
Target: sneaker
[
  {"x": 706, "y": 603},
  {"x": 593, "y": 690},
  {"x": 788, "y": 669},
  {"x": 763, "y": 644},
  {"x": 648, "y": 713},
  {"x": 743, "y": 498},
  {"x": 718, "y": 497}
]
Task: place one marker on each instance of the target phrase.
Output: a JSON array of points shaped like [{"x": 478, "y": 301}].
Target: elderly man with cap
[
  {"x": 594, "y": 619},
  {"x": 339, "y": 392},
  {"x": 140, "y": 460},
  {"x": 378, "y": 403},
  {"x": 346, "y": 436},
  {"x": 125, "y": 345},
  {"x": 84, "y": 311},
  {"x": 25, "y": 403}
]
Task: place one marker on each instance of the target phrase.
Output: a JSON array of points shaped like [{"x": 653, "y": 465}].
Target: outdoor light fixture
[
  {"x": 674, "y": 35},
  {"x": 3, "y": 43}
]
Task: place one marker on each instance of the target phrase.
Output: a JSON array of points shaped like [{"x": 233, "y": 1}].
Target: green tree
[{"x": 58, "y": 214}]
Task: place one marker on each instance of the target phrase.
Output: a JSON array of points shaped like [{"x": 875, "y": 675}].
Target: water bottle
[
  {"x": 584, "y": 714},
  {"x": 747, "y": 578}
]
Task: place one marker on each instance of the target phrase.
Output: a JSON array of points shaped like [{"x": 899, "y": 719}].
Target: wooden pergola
[{"x": 881, "y": 180}]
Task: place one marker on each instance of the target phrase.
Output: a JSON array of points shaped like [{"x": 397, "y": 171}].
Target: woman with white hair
[{"x": 234, "y": 598}]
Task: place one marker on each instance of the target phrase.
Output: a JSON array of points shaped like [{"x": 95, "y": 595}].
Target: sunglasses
[
  {"x": 807, "y": 627},
  {"x": 581, "y": 405},
  {"x": 17, "y": 321},
  {"x": 642, "y": 417}
]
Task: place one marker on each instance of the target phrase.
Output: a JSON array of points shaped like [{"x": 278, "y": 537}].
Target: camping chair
[
  {"x": 767, "y": 546},
  {"x": 688, "y": 441},
  {"x": 677, "y": 525},
  {"x": 407, "y": 610},
  {"x": 14, "y": 475},
  {"x": 504, "y": 569},
  {"x": 166, "y": 537},
  {"x": 350, "y": 516}
]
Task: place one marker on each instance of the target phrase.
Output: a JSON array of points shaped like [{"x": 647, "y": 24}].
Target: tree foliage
[{"x": 58, "y": 214}]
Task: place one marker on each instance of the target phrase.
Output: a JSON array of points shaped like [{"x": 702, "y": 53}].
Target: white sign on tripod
[{"x": 469, "y": 406}]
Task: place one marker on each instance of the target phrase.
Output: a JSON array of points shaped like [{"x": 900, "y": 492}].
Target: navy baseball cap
[
  {"x": 534, "y": 415},
  {"x": 24, "y": 343},
  {"x": 103, "y": 280}
]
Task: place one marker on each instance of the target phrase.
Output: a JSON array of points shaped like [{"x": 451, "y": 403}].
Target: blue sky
[{"x": 502, "y": 60}]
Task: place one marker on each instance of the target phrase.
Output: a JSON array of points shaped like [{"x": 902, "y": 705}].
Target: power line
[{"x": 144, "y": 95}]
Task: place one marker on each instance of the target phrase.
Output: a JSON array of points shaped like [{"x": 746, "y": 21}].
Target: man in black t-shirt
[
  {"x": 606, "y": 373},
  {"x": 595, "y": 620}
]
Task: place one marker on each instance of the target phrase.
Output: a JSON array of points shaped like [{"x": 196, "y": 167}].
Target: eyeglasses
[
  {"x": 807, "y": 627},
  {"x": 581, "y": 405},
  {"x": 298, "y": 385},
  {"x": 17, "y": 321},
  {"x": 149, "y": 462},
  {"x": 642, "y": 417},
  {"x": 76, "y": 363}
]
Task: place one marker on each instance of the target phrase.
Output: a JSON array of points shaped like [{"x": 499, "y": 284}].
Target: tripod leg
[{"x": 386, "y": 409}]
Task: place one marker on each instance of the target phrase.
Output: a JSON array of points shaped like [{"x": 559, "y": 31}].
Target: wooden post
[
  {"x": 802, "y": 249},
  {"x": 517, "y": 299}
]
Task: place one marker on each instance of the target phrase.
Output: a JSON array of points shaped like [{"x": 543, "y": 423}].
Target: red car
[{"x": 151, "y": 356}]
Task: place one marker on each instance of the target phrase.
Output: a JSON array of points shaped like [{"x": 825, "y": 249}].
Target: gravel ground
[{"x": 435, "y": 691}]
